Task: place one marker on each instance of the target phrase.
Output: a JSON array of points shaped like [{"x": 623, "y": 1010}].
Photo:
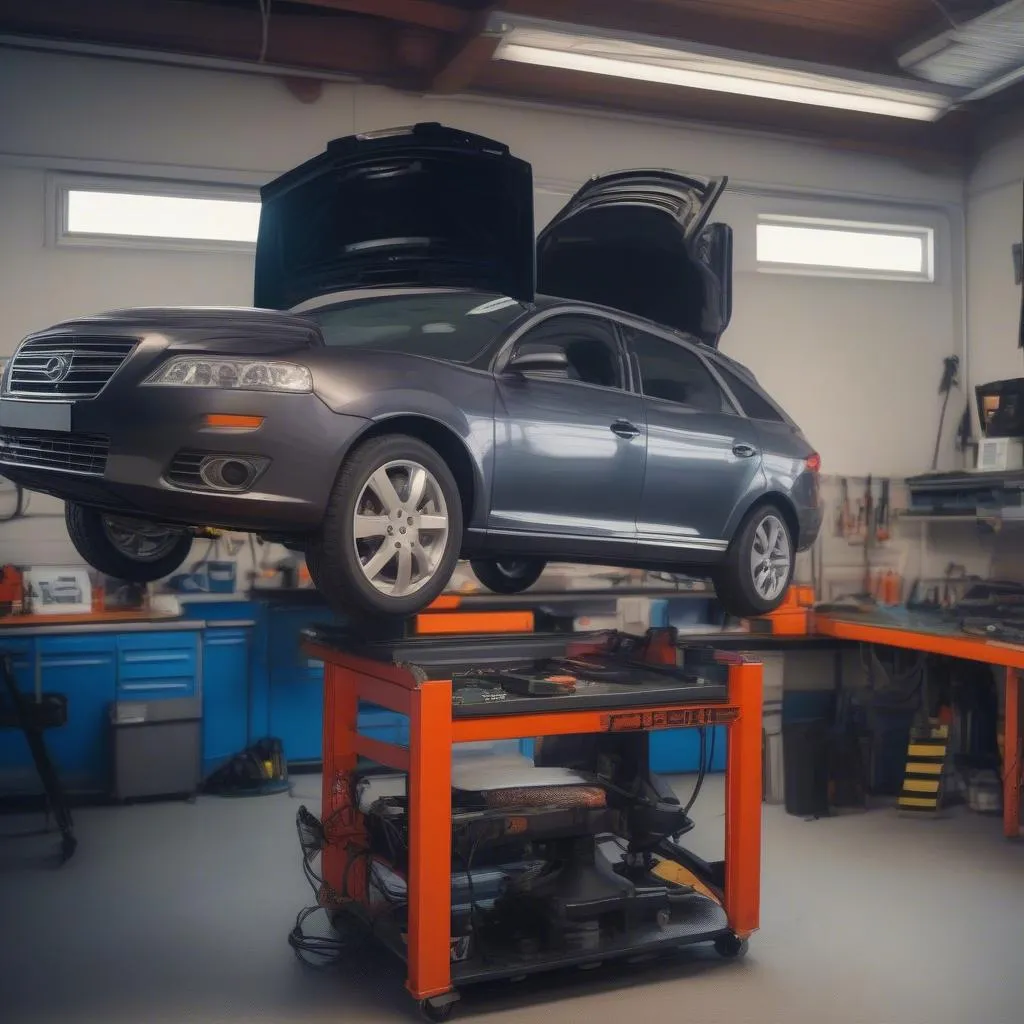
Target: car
[{"x": 422, "y": 379}]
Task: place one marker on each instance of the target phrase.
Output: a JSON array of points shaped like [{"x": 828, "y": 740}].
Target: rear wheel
[
  {"x": 508, "y": 575},
  {"x": 757, "y": 569},
  {"x": 392, "y": 532},
  {"x": 126, "y": 549}
]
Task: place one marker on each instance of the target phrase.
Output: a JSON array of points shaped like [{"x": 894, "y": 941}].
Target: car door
[
  {"x": 568, "y": 445},
  {"x": 703, "y": 457}
]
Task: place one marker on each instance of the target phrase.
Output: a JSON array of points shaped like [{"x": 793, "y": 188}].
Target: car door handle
[
  {"x": 625, "y": 429},
  {"x": 743, "y": 450}
]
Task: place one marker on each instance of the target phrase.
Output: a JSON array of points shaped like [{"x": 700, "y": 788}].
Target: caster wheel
[
  {"x": 440, "y": 1008},
  {"x": 730, "y": 946}
]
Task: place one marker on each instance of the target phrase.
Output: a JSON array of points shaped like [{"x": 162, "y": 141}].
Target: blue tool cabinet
[{"x": 93, "y": 668}]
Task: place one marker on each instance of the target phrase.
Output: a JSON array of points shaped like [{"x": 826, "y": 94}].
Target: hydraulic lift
[{"x": 477, "y": 882}]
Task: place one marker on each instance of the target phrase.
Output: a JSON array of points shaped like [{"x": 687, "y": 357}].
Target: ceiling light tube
[{"x": 694, "y": 66}]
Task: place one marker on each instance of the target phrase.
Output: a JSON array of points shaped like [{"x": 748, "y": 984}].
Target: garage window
[
  {"x": 832, "y": 248},
  {"x": 155, "y": 215}
]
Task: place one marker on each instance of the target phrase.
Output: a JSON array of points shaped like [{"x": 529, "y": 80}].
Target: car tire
[
  {"x": 508, "y": 575},
  {"x": 99, "y": 539},
  {"x": 741, "y": 583},
  {"x": 352, "y": 573}
]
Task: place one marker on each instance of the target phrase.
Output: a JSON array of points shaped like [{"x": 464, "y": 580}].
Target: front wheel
[
  {"x": 757, "y": 569},
  {"x": 392, "y": 532},
  {"x": 508, "y": 575},
  {"x": 126, "y": 549}
]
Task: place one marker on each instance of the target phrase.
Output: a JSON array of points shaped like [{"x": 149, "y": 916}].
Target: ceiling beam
[
  {"x": 352, "y": 45},
  {"x": 423, "y": 13},
  {"x": 465, "y": 57}
]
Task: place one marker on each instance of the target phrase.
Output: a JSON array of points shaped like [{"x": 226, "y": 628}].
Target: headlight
[{"x": 234, "y": 374}]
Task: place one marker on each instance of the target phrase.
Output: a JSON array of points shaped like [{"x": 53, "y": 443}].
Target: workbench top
[
  {"x": 918, "y": 631},
  {"x": 93, "y": 622}
]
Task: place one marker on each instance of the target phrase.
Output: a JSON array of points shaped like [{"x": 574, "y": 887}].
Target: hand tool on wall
[
  {"x": 950, "y": 380},
  {"x": 843, "y": 509},
  {"x": 882, "y": 513}
]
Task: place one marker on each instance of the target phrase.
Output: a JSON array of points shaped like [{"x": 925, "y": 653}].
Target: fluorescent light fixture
[
  {"x": 654, "y": 60},
  {"x": 135, "y": 215}
]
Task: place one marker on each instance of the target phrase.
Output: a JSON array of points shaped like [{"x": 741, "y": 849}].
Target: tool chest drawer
[{"x": 151, "y": 666}]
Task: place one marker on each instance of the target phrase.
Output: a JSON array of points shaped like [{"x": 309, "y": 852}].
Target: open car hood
[
  {"x": 640, "y": 241},
  {"x": 431, "y": 206},
  {"x": 424, "y": 205}
]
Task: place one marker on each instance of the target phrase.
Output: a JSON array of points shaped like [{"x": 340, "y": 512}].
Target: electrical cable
[{"x": 697, "y": 786}]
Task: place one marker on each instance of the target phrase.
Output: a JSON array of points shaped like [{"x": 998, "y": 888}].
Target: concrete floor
[{"x": 175, "y": 912}]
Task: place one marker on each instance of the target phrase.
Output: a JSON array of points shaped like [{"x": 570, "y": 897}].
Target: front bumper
[{"x": 146, "y": 427}]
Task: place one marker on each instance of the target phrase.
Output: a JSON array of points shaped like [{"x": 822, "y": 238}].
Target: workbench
[
  {"x": 931, "y": 635},
  {"x": 414, "y": 677}
]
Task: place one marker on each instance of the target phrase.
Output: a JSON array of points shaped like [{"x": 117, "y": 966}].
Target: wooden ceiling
[{"x": 442, "y": 46}]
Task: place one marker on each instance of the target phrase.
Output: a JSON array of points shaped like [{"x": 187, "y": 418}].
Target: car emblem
[{"x": 57, "y": 367}]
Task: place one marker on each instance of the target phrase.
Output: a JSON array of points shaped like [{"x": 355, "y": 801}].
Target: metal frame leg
[
  {"x": 743, "y": 798},
  {"x": 1012, "y": 756},
  {"x": 430, "y": 833}
]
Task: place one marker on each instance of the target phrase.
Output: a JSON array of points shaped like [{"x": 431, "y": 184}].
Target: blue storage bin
[
  {"x": 384, "y": 726},
  {"x": 677, "y": 751}
]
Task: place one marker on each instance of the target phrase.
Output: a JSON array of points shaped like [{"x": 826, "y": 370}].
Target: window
[
  {"x": 109, "y": 211},
  {"x": 454, "y": 326},
  {"x": 754, "y": 404},
  {"x": 675, "y": 374},
  {"x": 589, "y": 344},
  {"x": 801, "y": 245}
]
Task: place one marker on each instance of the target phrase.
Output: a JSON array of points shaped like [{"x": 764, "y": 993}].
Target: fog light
[{"x": 230, "y": 472}]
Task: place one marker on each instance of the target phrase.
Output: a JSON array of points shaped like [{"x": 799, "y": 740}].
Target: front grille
[
  {"x": 66, "y": 367},
  {"x": 39, "y": 449},
  {"x": 184, "y": 469}
]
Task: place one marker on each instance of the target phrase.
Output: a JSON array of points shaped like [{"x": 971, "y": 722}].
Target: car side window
[
  {"x": 754, "y": 405},
  {"x": 675, "y": 374},
  {"x": 589, "y": 344}
]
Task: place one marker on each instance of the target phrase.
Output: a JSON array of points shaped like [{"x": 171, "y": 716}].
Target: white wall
[
  {"x": 994, "y": 224},
  {"x": 856, "y": 362}
]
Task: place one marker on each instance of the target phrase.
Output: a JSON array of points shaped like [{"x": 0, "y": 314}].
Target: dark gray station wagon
[{"x": 423, "y": 380}]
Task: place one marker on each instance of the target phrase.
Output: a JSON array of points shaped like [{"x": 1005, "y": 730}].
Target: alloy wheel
[
  {"x": 770, "y": 558},
  {"x": 400, "y": 528},
  {"x": 140, "y": 541}
]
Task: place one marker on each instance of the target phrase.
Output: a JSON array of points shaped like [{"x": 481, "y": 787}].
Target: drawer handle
[
  {"x": 155, "y": 686},
  {"x": 161, "y": 656},
  {"x": 50, "y": 661},
  {"x": 226, "y": 642},
  {"x": 314, "y": 663}
]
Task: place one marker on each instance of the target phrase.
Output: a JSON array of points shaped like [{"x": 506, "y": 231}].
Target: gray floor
[{"x": 171, "y": 912}]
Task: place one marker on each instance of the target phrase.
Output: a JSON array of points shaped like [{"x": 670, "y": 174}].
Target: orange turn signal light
[
  {"x": 230, "y": 421},
  {"x": 814, "y": 462}
]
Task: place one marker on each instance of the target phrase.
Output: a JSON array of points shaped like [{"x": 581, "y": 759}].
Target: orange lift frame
[{"x": 349, "y": 679}]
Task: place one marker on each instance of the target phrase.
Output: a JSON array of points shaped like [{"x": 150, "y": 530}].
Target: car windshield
[{"x": 455, "y": 326}]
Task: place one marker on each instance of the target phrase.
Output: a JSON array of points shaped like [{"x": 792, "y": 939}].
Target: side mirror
[{"x": 537, "y": 357}]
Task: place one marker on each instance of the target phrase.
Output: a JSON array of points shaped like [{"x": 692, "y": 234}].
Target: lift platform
[{"x": 401, "y": 865}]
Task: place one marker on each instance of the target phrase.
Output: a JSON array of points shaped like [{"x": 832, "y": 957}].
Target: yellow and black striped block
[{"x": 922, "y": 776}]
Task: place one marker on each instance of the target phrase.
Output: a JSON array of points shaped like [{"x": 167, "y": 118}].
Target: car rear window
[
  {"x": 454, "y": 326},
  {"x": 673, "y": 373},
  {"x": 754, "y": 404}
]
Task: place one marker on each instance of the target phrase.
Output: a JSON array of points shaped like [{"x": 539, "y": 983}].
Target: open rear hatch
[
  {"x": 640, "y": 241},
  {"x": 421, "y": 206}
]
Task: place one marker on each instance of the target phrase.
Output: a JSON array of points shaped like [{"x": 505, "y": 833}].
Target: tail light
[{"x": 813, "y": 462}]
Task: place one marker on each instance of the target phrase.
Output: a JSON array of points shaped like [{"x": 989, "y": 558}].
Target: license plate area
[{"x": 55, "y": 416}]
